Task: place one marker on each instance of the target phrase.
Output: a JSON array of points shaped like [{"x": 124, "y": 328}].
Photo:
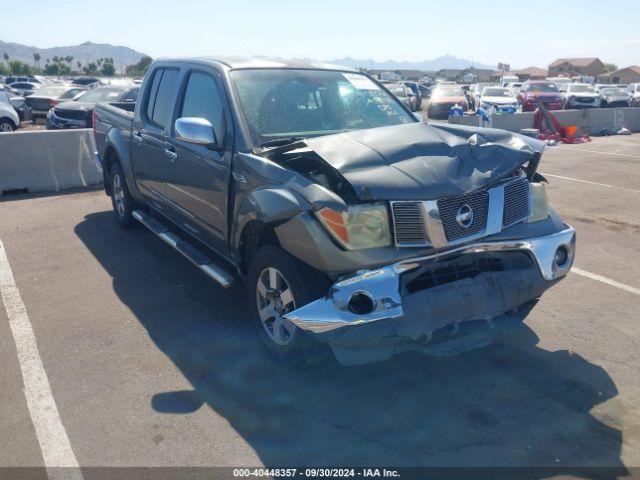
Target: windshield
[
  {"x": 614, "y": 91},
  {"x": 52, "y": 91},
  {"x": 397, "y": 90},
  {"x": 448, "y": 91},
  {"x": 582, "y": 89},
  {"x": 101, "y": 95},
  {"x": 496, "y": 92},
  {"x": 283, "y": 103},
  {"x": 542, "y": 87}
]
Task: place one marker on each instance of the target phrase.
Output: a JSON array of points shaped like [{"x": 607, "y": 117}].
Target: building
[
  {"x": 468, "y": 75},
  {"x": 622, "y": 76},
  {"x": 568, "y": 67},
  {"x": 531, "y": 73}
]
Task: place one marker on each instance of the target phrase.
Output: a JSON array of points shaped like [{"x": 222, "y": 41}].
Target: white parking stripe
[
  {"x": 608, "y": 281},
  {"x": 591, "y": 183},
  {"x": 53, "y": 439},
  {"x": 595, "y": 151}
]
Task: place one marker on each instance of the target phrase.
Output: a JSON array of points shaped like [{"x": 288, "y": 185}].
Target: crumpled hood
[{"x": 423, "y": 162}]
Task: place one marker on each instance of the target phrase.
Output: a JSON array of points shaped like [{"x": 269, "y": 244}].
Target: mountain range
[
  {"x": 446, "y": 61},
  {"x": 86, "y": 52}
]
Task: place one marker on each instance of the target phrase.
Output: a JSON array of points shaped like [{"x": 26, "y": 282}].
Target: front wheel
[
  {"x": 6, "y": 125},
  {"x": 279, "y": 284}
]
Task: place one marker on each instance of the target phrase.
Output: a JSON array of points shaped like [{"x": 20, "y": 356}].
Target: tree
[
  {"x": 139, "y": 69},
  {"x": 6, "y": 58},
  {"x": 610, "y": 67},
  {"x": 90, "y": 69},
  {"x": 79, "y": 64},
  {"x": 68, "y": 59},
  {"x": 20, "y": 68},
  {"x": 108, "y": 69},
  {"x": 36, "y": 60},
  {"x": 51, "y": 69},
  {"x": 3, "y": 70}
]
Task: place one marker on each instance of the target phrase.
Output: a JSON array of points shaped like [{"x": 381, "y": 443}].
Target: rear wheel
[
  {"x": 123, "y": 204},
  {"x": 6, "y": 125},
  {"x": 278, "y": 284}
]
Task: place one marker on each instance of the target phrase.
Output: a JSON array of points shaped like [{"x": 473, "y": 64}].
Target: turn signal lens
[
  {"x": 360, "y": 227},
  {"x": 539, "y": 202}
]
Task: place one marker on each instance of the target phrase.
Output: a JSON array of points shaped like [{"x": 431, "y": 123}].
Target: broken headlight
[
  {"x": 360, "y": 227},
  {"x": 539, "y": 202}
]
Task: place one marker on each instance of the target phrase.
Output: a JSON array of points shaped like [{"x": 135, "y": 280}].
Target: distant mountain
[
  {"x": 85, "y": 53},
  {"x": 447, "y": 61}
]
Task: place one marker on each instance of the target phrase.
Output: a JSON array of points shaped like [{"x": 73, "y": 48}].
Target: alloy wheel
[
  {"x": 118, "y": 195},
  {"x": 274, "y": 299}
]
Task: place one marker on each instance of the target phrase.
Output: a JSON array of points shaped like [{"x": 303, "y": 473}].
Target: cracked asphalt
[{"x": 151, "y": 364}]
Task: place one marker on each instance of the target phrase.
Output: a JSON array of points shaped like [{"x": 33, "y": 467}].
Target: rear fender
[{"x": 117, "y": 149}]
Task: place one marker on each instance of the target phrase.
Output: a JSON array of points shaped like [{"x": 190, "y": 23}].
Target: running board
[{"x": 195, "y": 256}]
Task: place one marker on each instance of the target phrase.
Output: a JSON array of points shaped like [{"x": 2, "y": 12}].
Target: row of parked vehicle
[{"x": 61, "y": 104}]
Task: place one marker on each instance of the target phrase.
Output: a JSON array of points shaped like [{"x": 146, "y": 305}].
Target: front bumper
[{"x": 398, "y": 314}]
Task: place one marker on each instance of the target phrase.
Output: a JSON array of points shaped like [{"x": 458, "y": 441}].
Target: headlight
[
  {"x": 539, "y": 202},
  {"x": 360, "y": 227}
]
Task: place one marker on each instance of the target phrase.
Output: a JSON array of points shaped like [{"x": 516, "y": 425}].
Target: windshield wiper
[{"x": 279, "y": 142}]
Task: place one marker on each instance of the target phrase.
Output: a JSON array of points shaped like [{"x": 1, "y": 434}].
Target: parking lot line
[
  {"x": 597, "y": 151},
  {"x": 589, "y": 182},
  {"x": 58, "y": 456},
  {"x": 608, "y": 281}
]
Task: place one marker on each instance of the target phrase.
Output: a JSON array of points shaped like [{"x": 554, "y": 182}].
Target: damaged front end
[{"x": 470, "y": 247}]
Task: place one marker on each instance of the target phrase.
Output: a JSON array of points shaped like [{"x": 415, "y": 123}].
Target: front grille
[
  {"x": 448, "y": 208},
  {"x": 517, "y": 205},
  {"x": 585, "y": 99},
  {"x": 409, "y": 224},
  {"x": 70, "y": 114}
]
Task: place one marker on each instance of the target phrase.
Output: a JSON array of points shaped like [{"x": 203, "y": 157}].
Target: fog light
[
  {"x": 561, "y": 257},
  {"x": 361, "y": 303}
]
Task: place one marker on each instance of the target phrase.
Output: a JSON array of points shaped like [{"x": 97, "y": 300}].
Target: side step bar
[{"x": 195, "y": 256}]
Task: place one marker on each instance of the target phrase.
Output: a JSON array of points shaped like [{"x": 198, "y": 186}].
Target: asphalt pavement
[{"x": 151, "y": 364}]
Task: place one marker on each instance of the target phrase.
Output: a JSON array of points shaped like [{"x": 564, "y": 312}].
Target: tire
[
  {"x": 123, "y": 203},
  {"x": 303, "y": 284},
  {"x": 6, "y": 125}
]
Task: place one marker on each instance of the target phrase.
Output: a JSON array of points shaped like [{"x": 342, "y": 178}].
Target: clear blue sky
[{"x": 523, "y": 33}]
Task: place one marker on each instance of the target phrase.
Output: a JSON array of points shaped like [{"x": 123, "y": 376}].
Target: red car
[
  {"x": 443, "y": 98},
  {"x": 533, "y": 93}
]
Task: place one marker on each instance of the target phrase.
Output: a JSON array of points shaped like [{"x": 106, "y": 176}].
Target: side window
[
  {"x": 166, "y": 98},
  {"x": 131, "y": 96},
  {"x": 150, "y": 100},
  {"x": 202, "y": 99}
]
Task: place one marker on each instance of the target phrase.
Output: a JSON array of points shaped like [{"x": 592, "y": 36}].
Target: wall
[{"x": 48, "y": 161}]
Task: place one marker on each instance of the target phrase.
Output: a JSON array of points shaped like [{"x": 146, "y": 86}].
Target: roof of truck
[{"x": 261, "y": 62}]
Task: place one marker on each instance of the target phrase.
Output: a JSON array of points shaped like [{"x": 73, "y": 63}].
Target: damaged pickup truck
[{"x": 353, "y": 224}]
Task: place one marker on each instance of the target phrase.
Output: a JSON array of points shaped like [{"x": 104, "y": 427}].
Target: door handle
[
  {"x": 170, "y": 151},
  {"x": 137, "y": 137}
]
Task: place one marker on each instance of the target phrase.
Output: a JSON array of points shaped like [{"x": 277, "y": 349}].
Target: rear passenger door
[
  {"x": 199, "y": 177},
  {"x": 149, "y": 134}
]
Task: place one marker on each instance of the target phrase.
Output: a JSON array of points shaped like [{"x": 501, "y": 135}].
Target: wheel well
[
  {"x": 110, "y": 157},
  {"x": 255, "y": 235},
  {"x": 9, "y": 120}
]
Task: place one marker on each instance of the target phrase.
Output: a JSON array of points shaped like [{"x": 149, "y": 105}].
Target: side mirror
[{"x": 196, "y": 130}]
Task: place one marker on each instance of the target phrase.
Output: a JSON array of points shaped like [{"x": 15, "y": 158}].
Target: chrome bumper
[{"x": 327, "y": 316}]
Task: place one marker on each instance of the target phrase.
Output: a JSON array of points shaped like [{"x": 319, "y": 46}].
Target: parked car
[
  {"x": 30, "y": 78},
  {"x": 614, "y": 97},
  {"x": 89, "y": 82},
  {"x": 581, "y": 95},
  {"x": 443, "y": 98},
  {"x": 49, "y": 96},
  {"x": 561, "y": 83},
  {"x": 633, "y": 91},
  {"x": 25, "y": 88},
  {"x": 78, "y": 113},
  {"x": 495, "y": 97},
  {"x": 514, "y": 87},
  {"x": 477, "y": 92},
  {"x": 414, "y": 89},
  {"x": 540, "y": 91},
  {"x": 9, "y": 120},
  {"x": 403, "y": 94},
  {"x": 351, "y": 223},
  {"x": 19, "y": 104}
]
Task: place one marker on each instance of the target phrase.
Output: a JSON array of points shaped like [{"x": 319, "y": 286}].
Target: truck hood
[{"x": 423, "y": 162}]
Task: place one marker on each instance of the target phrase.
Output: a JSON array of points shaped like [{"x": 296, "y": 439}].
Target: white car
[
  {"x": 515, "y": 87},
  {"x": 496, "y": 97},
  {"x": 581, "y": 95},
  {"x": 9, "y": 119},
  {"x": 633, "y": 90},
  {"x": 477, "y": 92}
]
